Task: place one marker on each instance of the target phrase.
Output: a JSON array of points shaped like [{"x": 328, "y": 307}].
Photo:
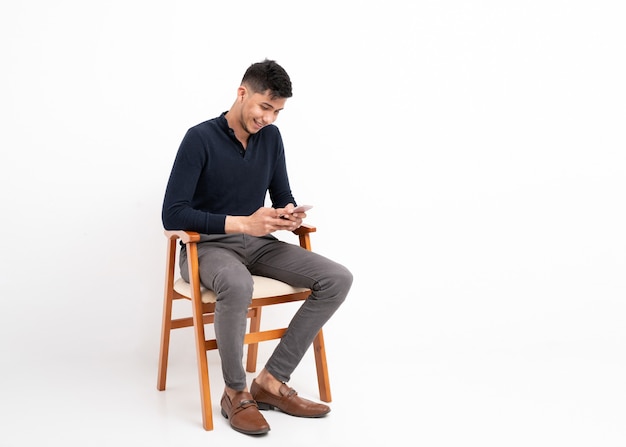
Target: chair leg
[
  {"x": 166, "y": 324},
  {"x": 253, "y": 348},
  {"x": 203, "y": 370},
  {"x": 201, "y": 348},
  {"x": 203, "y": 374},
  {"x": 323, "y": 379},
  {"x": 166, "y": 328}
]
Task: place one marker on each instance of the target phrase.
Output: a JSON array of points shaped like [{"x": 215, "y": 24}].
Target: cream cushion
[{"x": 263, "y": 287}]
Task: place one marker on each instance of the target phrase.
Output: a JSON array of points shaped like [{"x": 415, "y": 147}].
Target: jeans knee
[
  {"x": 338, "y": 283},
  {"x": 344, "y": 279}
]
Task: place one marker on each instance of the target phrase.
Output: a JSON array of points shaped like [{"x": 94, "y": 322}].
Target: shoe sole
[{"x": 266, "y": 406}]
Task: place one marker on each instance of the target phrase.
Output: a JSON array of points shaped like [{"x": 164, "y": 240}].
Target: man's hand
[{"x": 265, "y": 221}]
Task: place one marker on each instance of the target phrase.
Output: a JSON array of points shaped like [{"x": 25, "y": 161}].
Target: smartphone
[
  {"x": 302, "y": 208},
  {"x": 299, "y": 209}
]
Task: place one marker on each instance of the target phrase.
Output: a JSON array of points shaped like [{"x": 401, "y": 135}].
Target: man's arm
[
  {"x": 264, "y": 221},
  {"x": 177, "y": 212}
]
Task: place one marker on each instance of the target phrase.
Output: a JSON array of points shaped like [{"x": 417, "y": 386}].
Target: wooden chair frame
[{"x": 203, "y": 313}]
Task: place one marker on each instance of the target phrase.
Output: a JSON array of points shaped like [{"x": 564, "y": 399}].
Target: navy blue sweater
[{"x": 213, "y": 176}]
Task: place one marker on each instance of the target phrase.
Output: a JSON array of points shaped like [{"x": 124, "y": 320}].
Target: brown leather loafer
[
  {"x": 243, "y": 414},
  {"x": 288, "y": 402}
]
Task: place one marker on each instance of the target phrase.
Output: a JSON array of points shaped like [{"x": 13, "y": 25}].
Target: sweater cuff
[{"x": 216, "y": 224}]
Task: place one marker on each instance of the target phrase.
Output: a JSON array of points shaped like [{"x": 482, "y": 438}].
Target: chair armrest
[
  {"x": 184, "y": 236},
  {"x": 303, "y": 235},
  {"x": 193, "y": 236},
  {"x": 304, "y": 229}
]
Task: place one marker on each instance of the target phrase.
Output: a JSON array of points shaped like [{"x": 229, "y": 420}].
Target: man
[{"x": 222, "y": 173}]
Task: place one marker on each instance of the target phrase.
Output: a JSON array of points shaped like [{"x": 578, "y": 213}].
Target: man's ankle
[
  {"x": 230, "y": 392},
  {"x": 268, "y": 382}
]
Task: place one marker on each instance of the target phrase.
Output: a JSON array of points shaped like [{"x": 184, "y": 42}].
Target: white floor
[{"x": 483, "y": 388}]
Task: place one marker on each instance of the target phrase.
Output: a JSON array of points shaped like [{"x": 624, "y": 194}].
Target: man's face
[{"x": 259, "y": 109}]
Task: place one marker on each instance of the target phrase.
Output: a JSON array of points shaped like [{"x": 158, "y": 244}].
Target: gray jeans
[{"x": 227, "y": 263}]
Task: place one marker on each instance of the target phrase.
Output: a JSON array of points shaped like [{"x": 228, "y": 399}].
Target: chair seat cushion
[{"x": 263, "y": 287}]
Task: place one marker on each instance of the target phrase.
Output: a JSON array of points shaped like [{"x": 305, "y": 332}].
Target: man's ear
[{"x": 242, "y": 91}]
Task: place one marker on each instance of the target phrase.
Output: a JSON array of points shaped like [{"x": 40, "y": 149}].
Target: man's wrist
[{"x": 234, "y": 224}]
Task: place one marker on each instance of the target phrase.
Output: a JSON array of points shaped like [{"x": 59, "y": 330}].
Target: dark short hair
[{"x": 268, "y": 75}]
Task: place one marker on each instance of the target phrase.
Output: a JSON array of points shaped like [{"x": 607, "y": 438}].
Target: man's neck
[{"x": 240, "y": 133}]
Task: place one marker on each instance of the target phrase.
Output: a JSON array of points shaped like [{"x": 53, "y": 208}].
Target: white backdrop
[{"x": 466, "y": 160}]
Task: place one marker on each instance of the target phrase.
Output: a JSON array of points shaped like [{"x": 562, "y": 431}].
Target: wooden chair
[{"x": 267, "y": 292}]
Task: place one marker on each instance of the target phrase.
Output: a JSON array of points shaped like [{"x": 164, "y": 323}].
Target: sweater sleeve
[{"x": 178, "y": 212}]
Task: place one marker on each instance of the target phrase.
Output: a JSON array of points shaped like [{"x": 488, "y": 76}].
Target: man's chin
[{"x": 251, "y": 131}]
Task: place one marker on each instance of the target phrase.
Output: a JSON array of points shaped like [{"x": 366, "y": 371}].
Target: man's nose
[{"x": 269, "y": 117}]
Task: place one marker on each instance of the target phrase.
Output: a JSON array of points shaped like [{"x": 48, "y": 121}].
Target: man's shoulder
[
  {"x": 270, "y": 131},
  {"x": 209, "y": 125}
]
